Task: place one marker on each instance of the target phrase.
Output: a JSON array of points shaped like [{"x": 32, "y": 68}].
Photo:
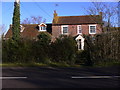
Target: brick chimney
[
  {"x": 100, "y": 13},
  {"x": 55, "y": 13},
  {"x": 101, "y": 17},
  {"x": 55, "y": 19}
]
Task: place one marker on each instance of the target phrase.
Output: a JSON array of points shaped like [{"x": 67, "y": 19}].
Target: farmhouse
[{"x": 75, "y": 26}]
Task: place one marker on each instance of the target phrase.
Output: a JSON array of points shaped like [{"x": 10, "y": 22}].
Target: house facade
[{"x": 75, "y": 26}]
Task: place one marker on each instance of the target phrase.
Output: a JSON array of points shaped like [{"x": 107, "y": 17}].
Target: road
[{"x": 51, "y": 77}]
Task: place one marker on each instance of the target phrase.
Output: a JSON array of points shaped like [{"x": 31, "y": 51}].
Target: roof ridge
[
  {"x": 78, "y": 16},
  {"x": 29, "y": 24}
]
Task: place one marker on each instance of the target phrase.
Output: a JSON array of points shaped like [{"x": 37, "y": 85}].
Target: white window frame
[
  {"x": 62, "y": 29},
  {"x": 79, "y": 28},
  {"x": 42, "y": 26},
  {"x": 90, "y": 30}
]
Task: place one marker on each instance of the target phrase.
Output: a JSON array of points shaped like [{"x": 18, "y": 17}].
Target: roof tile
[{"x": 88, "y": 19}]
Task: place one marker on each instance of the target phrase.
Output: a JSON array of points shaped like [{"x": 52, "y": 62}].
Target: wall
[{"x": 72, "y": 30}]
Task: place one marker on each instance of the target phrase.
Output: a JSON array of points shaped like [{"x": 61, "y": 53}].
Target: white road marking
[
  {"x": 13, "y": 77},
  {"x": 75, "y": 77}
]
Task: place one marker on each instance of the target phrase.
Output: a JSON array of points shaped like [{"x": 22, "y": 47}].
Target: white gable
[
  {"x": 42, "y": 24},
  {"x": 79, "y": 37}
]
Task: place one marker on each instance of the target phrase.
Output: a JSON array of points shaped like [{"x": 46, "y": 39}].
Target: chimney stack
[
  {"x": 100, "y": 13},
  {"x": 101, "y": 16},
  {"x": 55, "y": 13}
]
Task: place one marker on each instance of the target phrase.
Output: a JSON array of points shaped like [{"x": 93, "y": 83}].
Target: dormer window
[{"x": 42, "y": 27}]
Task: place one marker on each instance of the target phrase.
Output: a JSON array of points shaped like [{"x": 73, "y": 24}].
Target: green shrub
[
  {"x": 98, "y": 50},
  {"x": 41, "y": 48},
  {"x": 64, "y": 50},
  {"x": 80, "y": 57},
  {"x": 17, "y": 51},
  {"x": 83, "y": 58},
  {"x": 44, "y": 38}
]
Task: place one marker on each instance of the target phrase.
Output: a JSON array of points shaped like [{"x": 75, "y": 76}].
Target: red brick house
[{"x": 76, "y": 26}]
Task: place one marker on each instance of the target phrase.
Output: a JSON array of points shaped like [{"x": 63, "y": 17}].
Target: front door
[{"x": 80, "y": 42}]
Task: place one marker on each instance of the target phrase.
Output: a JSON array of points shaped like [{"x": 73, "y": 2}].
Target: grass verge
[
  {"x": 22, "y": 64},
  {"x": 56, "y": 64},
  {"x": 37, "y": 65}
]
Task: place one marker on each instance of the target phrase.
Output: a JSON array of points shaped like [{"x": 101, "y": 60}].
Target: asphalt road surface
[{"x": 50, "y": 77}]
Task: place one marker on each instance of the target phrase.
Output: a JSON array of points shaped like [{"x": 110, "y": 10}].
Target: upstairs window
[
  {"x": 64, "y": 29},
  {"x": 92, "y": 29},
  {"x": 42, "y": 27},
  {"x": 79, "y": 29}
]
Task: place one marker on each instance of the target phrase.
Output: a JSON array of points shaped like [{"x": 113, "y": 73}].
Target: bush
[
  {"x": 27, "y": 51},
  {"x": 64, "y": 50},
  {"x": 101, "y": 49},
  {"x": 16, "y": 51},
  {"x": 83, "y": 58},
  {"x": 41, "y": 48},
  {"x": 44, "y": 38},
  {"x": 80, "y": 57}
]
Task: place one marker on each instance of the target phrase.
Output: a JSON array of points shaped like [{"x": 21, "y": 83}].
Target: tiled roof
[
  {"x": 88, "y": 19},
  {"x": 30, "y": 31}
]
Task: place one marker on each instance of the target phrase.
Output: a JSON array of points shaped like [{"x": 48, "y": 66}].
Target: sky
[{"x": 43, "y": 9}]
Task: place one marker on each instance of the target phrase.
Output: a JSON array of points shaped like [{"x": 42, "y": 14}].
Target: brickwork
[{"x": 72, "y": 30}]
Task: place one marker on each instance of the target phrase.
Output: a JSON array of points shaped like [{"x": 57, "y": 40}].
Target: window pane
[
  {"x": 65, "y": 29},
  {"x": 43, "y": 28},
  {"x": 79, "y": 29},
  {"x": 92, "y": 29}
]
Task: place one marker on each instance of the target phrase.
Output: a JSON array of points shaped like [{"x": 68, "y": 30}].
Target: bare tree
[
  {"x": 108, "y": 42},
  {"x": 33, "y": 20},
  {"x": 26, "y": 21},
  {"x": 2, "y": 29},
  {"x": 109, "y": 11}
]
